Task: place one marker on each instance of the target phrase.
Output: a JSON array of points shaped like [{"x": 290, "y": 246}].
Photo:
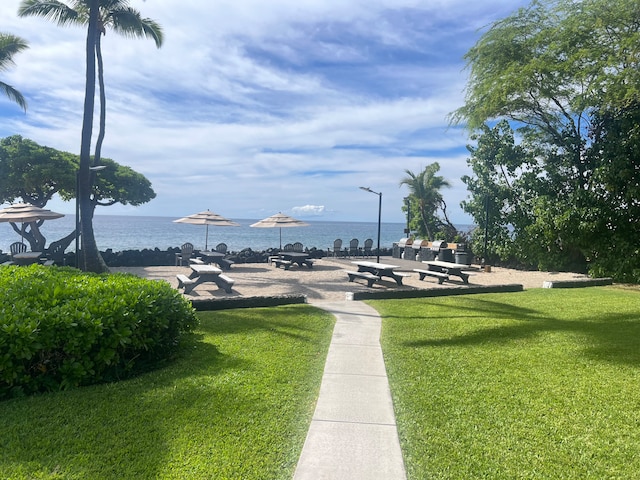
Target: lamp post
[
  {"x": 367, "y": 189},
  {"x": 407, "y": 202},
  {"x": 78, "y": 221}
]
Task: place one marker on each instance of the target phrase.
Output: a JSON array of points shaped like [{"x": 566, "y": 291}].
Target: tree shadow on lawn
[
  {"x": 607, "y": 337},
  {"x": 260, "y": 319}
]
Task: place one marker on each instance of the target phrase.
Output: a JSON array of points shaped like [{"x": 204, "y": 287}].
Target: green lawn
[
  {"x": 541, "y": 384},
  {"x": 236, "y": 405}
]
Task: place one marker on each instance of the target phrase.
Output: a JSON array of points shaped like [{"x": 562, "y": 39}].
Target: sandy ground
[{"x": 327, "y": 280}]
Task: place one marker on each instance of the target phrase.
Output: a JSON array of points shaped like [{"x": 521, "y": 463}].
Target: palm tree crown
[
  {"x": 114, "y": 14},
  {"x": 424, "y": 189}
]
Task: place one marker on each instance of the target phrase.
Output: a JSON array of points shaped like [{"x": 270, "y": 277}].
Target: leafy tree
[
  {"x": 97, "y": 15},
  {"x": 554, "y": 70},
  {"x": 9, "y": 46},
  {"x": 34, "y": 174},
  {"x": 426, "y": 200}
]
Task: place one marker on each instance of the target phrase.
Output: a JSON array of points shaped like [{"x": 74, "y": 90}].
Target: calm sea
[{"x": 119, "y": 232}]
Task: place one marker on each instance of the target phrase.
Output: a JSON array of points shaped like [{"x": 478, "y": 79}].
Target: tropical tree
[
  {"x": 565, "y": 74},
  {"x": 98, "y": 15},
  {"x": 9, "y": 46},
  {"x": 33, "y": 173},
  {"x": 426, "y": 200}
]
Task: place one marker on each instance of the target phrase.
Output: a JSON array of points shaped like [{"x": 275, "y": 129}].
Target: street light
[
  {"x": 78, "y": 222},
  {"x": 367, "y": 189}
]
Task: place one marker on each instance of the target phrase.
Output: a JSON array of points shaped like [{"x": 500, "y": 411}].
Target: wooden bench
[
  {"x": 225, "y": 283},
  {"x": 225, "y": 264},
  {"x": 285, "y": 263},
  {"x": 431, "y": 273},
  {"x": 186, "y": 282},
  {"x": 197, "y": 261},
  {"x": 369, "y": 277}
]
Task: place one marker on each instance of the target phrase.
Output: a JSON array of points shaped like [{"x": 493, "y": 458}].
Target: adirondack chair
[
  {"x": 221, "y": 247},
  {"x": 55, "y": 254},
  {"x": 367, "y": 251},
  {"x": 186, "y": 250},
  {"x": 298, "y": 247},
  {"x": 337, "y": 248},
  {"x": 354, "y": 251}
]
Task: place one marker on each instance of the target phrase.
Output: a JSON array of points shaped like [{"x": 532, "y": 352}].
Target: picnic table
[
  {"x": 373, "y": 271},
  {"x": 26, "y": 258},
  {"x": 212, "y": 256},
  {"x": 445, "y": 268},
  {"x": 286, "y": 259},
  {"x": 203, "y": 274}
]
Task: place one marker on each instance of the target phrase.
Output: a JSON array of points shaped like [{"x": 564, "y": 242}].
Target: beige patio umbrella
[
  {"x": 279, "y": 220},
  {"x": 26, "y": 213},
  {"x": 207, "y": 218}
]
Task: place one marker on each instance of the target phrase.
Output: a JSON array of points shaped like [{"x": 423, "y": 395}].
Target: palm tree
[
  {"x": 9, "y": 46},
  {"x": 424, "y": 189},
  {"x": 122, "y": 19}
]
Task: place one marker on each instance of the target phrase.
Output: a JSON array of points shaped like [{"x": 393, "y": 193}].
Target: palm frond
[
  {"x": 57, "y": 12},
  {"x": 128, "y": 22},
  {"x": 13, "y": 95}
]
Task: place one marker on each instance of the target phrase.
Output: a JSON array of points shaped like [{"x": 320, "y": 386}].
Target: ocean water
[{"x": 120, "y": 232}]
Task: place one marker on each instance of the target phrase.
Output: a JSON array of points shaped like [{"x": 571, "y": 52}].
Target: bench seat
[
  {"x": 442, "y": 277},
  {"x": 369, "y": 277},
  {"x": 224, "y": 282},
  {"x": 186, "y": 282},
  {"x": 225, "y": 264},
  {"x": 197, "y": 261}
]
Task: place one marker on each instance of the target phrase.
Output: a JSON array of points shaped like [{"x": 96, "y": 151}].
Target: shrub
[{"x": 61, "y": 328}]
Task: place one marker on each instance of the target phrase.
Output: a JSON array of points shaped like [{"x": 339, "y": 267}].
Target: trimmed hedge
[{"x": 61, "y": 328}]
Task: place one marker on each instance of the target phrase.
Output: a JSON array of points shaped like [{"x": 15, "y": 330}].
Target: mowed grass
[
  {"x": 237, "y": 404},
  {"x": 539, "y": 384}
]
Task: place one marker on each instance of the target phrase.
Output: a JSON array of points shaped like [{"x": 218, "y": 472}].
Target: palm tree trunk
[
  {"x": 90, "y": 259},
  {"x": 103, "y": 101}
]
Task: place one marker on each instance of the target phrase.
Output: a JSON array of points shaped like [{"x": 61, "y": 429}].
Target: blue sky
[{"x": 252, "y": 108}]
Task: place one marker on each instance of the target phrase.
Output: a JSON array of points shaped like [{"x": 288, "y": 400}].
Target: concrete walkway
[{"x": 353, "y": 432}]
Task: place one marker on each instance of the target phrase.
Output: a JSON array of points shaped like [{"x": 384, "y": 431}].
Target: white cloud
[
  {"x": 251, "y": 106},
  {"x": 308, "y": 210}
]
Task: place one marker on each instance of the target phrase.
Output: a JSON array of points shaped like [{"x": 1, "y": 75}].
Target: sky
[{"x": 251, "y": 108}]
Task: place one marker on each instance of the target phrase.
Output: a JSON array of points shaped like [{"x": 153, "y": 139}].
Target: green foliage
[
  {"x": 425, "y": 202},
  {"x": 235, "y": 404},
  {"x": 35, "y": 173},
  {"x": 32, "y": 172},
  {"x": 60, "y": 328},
  {"x": 565, "y": 74},
  {"x": 537, "y": 384}
]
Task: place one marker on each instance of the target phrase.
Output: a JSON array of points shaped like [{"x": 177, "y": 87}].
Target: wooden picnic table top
[
  {"x": 449, "y": 265},
  {"x": 378, "y": 266},
  {"x": 205, "y": 269},
  {"x": 26, "y": 258},
  {"x": 212, "y": 254},
  {"x": 294, "y": 254}
]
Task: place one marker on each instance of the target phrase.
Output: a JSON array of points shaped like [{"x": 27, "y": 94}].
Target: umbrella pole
[
  {"x": 206, "y": 240},
  {"x": 280, "y": 238}
]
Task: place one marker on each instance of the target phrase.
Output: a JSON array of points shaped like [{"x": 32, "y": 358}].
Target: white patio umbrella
[
  {"x": 26, "y": 213},
  {"x": 207, "y": 218},
  {"x": 279, "y": 220}
]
